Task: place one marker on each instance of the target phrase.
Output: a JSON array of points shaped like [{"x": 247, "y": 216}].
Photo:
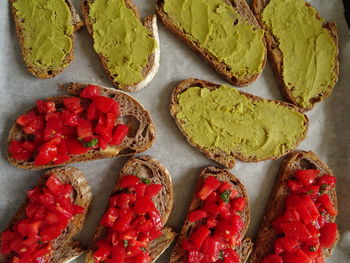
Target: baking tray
[{"x": 328, "y": 136}]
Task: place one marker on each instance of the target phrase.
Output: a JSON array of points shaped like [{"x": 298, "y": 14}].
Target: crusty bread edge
[
  {"x": 80, "y": 184},
  {"x": 88, "y": 156},
  {"x": 219, "y": 67},
  {"x": 228, "y": 161},
  {"x": 177, "y": 254},
  {"x": 277, "y": 66},
  {"x": 150, "y": 22},
  {"x": 77, "y": 24},
  {"x": 160, "y": 244},
  {"x": 275, "y": 204}
]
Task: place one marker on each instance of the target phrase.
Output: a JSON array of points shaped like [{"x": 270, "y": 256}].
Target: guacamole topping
[
  {"x": 225, "y": 120},
  {"x": 121, "y": 38},
  {"x": 47, "y": 29},
  {"x": 309, "y": 52},
  {"x": 218, "y": 28}
]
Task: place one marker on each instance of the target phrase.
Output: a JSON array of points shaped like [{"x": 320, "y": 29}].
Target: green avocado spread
[
  {"x": 225, "y": 120},
  {"x": 47, "y": 28},
  {"x": 218, "y": 28},
  {"x": 120, "y": 37},
  {"x": 309, "y": 52}
]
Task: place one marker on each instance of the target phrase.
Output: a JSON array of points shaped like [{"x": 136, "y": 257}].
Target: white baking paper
[{"x": 329, "y": 134}]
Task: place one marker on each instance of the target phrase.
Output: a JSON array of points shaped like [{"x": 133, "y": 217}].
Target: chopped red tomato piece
[
  {"x": 238, "y": 204},
  {"x": 128, "y": 180},
  {"x": 27, "y": 118},
  {"x": 328, "y": 205},
  {"x": 297, "y": 231},
  {"x": 328, "y": 235},
  {"x": 197, "y": 215},
  {"x": 152, "y": 190},
  {"x": 104, "y": 104},
  {"x": 73, "y": 104},
  {"x": 199, "y": 235},
  {"x": 21, "y": 151},
  {"x": 75, "y": 147},
  {"x": 210, "y": 185},
  {"x": 45, "y": 106},
  {"x": 54, "y": 184},
  {"x": 272, "y": 259},
  {"x": 109, "y": 217},
  {"x": 90, "y": 91},
  {"x": 307, "y": 176},
  {"x": 119, "y": 134},
  {"x": 84, "y": 129},
  {"x": 47, "y": 153}
]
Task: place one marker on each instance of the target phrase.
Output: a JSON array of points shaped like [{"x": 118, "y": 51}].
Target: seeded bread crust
[
  {"x": 243, "y": 9},
  {"x": 140, "y": 137},
  {"x": 178, "y": 254},
  {"x": 64, "y": 247},
  {"x": 146, "y": 167},
  {"x": 150, "y": 70},
  {"x": 227, "y": 160},
  {"x": 265, "y": 239},
  {"x": 276, "y": 56},
  {"x": 49, "y": 72}
]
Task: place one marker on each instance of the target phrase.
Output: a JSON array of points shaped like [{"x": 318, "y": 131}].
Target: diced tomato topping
[
  {"x": 199, "y": 235},
  {"x": 307, "y": 176},
  {"x": 93, "y": 121},
  {"x": 238, "y": 204},
  {"x": 152, "y": 190},
  {"x": 90, "y": 91},
  {"x": 194, "y": 256},
  {"x": 327, "y": 180},
  {"x": 272, "y": 259},
  {"x": 109, "y": 217},
  {"x": 128, "y": 180},
  {"x": 30, "y": 239}
]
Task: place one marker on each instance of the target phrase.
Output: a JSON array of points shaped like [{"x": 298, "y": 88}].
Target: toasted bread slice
[
  {"x": 224, "y": 70},
  {"x": 148, "y": 168},
  {"x": 49, "y": 71},
  {"x": 224, "y": 158},
  {"x": 178, "y": 254},
  {"x": 151, "y": 68},
  {"x": 265, "y": 239},
  {"x": 276, "y": 57},
  {"x": 140, "y": 137},
  {"x": 64, "y": 247}
]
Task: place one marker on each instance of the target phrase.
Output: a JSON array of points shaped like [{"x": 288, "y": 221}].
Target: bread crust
[
  {"x": 150, "y": 70},
  {"x": 64, "y": 247},
  {"x": 178, "y": 254},
  {"x": 265, "y": 239},
  {"x": 243, "y": 9},
  {"x": 132, "y": 112},
  {"x": 146, "y": 167},
  {"x": 227, "y": 160},
  {"x": 276, "y": 56},
  {"x": 49, "y": 73}
]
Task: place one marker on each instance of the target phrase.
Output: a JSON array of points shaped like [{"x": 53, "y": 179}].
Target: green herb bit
[
  {"x": 143, "y": 249},
  {"x": 221, "y": 255},
  {"x": 225, "y": 196},
  {"x": 146, "y": 181},
  {"x": 313, "y": 248},
  {"x": 91, "y": 143},
  {"x": 125, "y": 243},
  {"x": 310, "y": 192},
  {"x": 323, "y": 188}
]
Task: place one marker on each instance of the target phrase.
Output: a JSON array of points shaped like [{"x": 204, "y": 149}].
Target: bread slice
[
  {"x": 49, "y": 72},
  {"x": 151, "y": 68},
  {"x": 244, "y": 11},
  {"x": 140, "y": 137},
  {"x": 64, "y": 247},
  {"x": 224, "y": 158},
  {"x": 178, "y": 254},
  {"x": 146, "y": 167},
  {"x": 265, "y": 239},
  {"x": 276, "y": 56}
]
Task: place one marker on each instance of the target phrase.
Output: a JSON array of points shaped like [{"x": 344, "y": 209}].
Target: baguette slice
[
  {"x": 178, "y": 254},
  {"x": 276, "y": 56},
  {"x": 150, "y": 70},
  {"x": 48, "y": 72},
  {"x": 243, "y": 9},
  {"x": 64, "y": 247},
  {"x": 139, "y": 139},
  {"x": 146, "y": 167},
  {"x": 265, "y": 239},
  {"x": 225, "y": 159}
]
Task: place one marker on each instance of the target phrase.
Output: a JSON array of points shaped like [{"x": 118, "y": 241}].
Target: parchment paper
[{"x": 329, "y": 134}]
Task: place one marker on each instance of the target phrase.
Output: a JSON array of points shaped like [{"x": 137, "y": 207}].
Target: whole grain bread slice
[
  {"x": 64, "y": 247},
  {"x": 151, "y": 68},
  {"x": 178, "y": 254},
  {"x": 141, "y": 134},
  {"x": 225, "y": 159},
  {"x": 244, "y": 11},
  {"x": 276, "y": 56},
  {"x": 147, "y": 168},
  {"x": 265, "y": 239},
  {"x": 49, "y": 72}
]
